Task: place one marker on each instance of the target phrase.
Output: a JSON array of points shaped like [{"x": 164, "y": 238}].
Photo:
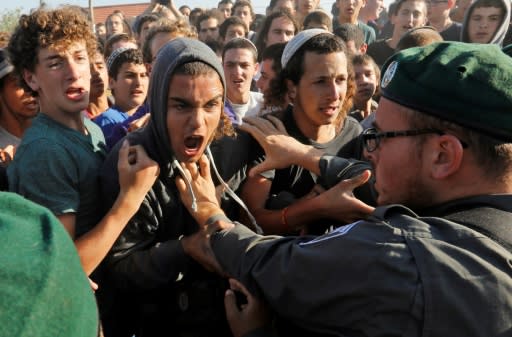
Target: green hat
[
  {"x": 465, "y": 83},
  {"x": 43, "y": 288},
  {"x": 508, "y": 50}
]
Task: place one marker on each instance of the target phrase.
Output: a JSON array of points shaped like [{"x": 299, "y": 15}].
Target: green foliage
[{"x": 9, "y": 19}]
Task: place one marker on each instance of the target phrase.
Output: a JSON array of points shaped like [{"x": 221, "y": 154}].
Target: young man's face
[
  {"x": 266, "y": 75},
  {"x": 62, "y": 79},
  {"x": 239, "y": 69},
  {"x": 304, "y": 7},
  {"x": 411, "y": 186},
  {"x": 225, "y": 9},
  {"x": 209, "y": 30},
  {"x": 366, "y": 82},
  {"x": 281, "y": 30},
  {"x": 244, "y": 13},
  {"x": 234, "y": 31},
  {"x": 438, "y": 10},
  {"x": 144, "y": 31},
  {"x": 321, "y": 91},
  {"x": 99, "y": 76},
  {"x": 193, "y": 113},
  {"x": 115, "y": 25},
  {"x": 411, "y": 14},
  {"x": 16, "y": 101},
  {"x": 288, "y": 5},
  {"x": 130, "y": 87},
  {"x": 483, "y": 23},
  {"x": 374, "y": 7},
  {"x": 349, "y": 10},
  {"x": 157, "y": 42}
]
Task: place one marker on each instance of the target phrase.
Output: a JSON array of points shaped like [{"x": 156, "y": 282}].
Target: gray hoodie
[
  {"x": 500, "y": 33},
  {"x": 147, "y": 273}
]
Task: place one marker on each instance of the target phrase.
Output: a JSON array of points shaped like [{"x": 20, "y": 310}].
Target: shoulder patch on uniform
[{"x": 340, "y": 231}]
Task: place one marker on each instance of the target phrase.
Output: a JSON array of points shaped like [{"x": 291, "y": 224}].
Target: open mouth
[
  {"x": 193, "y": 144},
  {"x": 75, "y": 93}
]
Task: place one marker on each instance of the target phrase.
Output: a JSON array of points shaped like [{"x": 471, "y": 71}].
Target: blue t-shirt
[{"x": 57, "y": 167}]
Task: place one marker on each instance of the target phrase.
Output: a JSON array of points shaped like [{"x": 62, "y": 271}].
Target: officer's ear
[{"x": 447, "y": 154}]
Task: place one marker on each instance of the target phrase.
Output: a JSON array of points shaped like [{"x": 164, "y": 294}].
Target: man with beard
[{"x": 434, "y": 257}]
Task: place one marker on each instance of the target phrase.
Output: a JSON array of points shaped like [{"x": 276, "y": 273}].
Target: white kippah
[{"x": 298, "y": 40}]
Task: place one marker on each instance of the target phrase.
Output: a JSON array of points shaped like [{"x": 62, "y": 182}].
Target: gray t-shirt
[{"x": 7, "y": 138}]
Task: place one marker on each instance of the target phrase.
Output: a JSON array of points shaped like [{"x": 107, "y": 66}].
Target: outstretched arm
[
  {"x": 281, "y": 150},
  {"x": 137, "y": 173}
]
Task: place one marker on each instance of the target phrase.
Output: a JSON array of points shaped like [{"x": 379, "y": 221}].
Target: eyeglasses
[{"x": 371, "y": 137}]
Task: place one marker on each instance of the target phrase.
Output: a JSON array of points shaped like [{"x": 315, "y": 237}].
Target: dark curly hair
[{"x": 43, "y": 28}]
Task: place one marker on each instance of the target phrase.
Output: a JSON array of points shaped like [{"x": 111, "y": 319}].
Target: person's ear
[
  {"x": 111, "y": 83},
  {"x": 31, "y": 80},
  {"x": 292, "y": 89},
  {"x": 363, "y": 48},
  {"x": 446, "y": 156}
]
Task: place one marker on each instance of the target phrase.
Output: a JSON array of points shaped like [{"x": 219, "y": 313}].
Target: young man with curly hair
[{"x": 58, "y": 160}]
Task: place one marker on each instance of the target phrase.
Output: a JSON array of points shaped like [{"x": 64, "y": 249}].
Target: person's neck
[
  {"x": 442, "y": 24},
  {"x": 239, "y": 99},
  {"x": 364, "y": 17},
  {"x": 73, "y": 121},
  {"x": 318, "y": 133},
  {"x": 351, "y": 20},
  {"x": 98, "y": 105},
  {"x": 129, "y": 110},
  {"x": 15, "y": 125},
  {"x": 393, "y": 41}
]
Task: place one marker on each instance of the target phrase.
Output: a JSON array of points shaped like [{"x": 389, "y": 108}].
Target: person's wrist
[{"x": 218, "y": 222}]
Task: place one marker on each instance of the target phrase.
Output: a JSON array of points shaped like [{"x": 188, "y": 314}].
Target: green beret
[
  {"x": 43, "y": 287},
  {"x": 508, "y": 50},
  {"x": 465, "y": 83}
]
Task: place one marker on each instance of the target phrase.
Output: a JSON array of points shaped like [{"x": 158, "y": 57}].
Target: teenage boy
[
  {"x": 232, "y": 27},
  {"x": 58, "y": 160},
  {"x": 349, "y": 12},
  {"x": 239, "y": 59},
  {"x": 243, "y": 9},
  {"x": 439, "y": 18},
  {"x": 486, "y": 21},
  {"x": 160, "y": 286},
  {"x": 18, "y": 107},
  {"x": 128, "y": 81},
  {"x": 99, "y": 101},
  {"x": 316, "y": 75},
  {"x": 408, "y": 14},
  {"x": 207, "y": 25}
]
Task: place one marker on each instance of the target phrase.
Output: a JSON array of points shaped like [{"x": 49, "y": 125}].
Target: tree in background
[{"x": 9, "y": 19}]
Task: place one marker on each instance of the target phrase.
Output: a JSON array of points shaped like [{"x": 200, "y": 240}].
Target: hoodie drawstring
[{"x": 231, "y": 193}]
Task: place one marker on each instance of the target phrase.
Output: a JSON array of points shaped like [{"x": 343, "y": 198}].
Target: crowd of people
[{"x": 214, "y": 172}]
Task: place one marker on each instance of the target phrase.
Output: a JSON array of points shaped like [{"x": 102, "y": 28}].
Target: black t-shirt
[
  {"x": 380, "y": 51},
  {"x": 299, "y": 181},
  {"x": 452, "y": 33}
]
